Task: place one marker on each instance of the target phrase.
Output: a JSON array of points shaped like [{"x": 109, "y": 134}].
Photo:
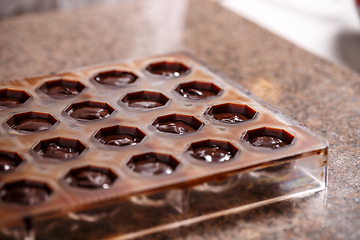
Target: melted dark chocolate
[
  {"x": 230, "y": 117},
  {"x": 176, "y": 127},
  {"x": 33, "y": 125},
  {"x": 89, "y": 113},
  {"x": 24, "y": 195},
  {"x": 116, "y": 79},
  {"x": 151, "y": 167},
  {"x": 61, "y": 91},
  {"x": 267, "y": 142},
  {"x": 90, "y": 179},
  {"x": 140, "y": 103},
  {"x": 211, "y": 154},
  {"x": 196, "y": 94},
  {"x": 9, "y": 102},
  {"x": 52, "y": 150},
  {"x": 6, "y": 163},
  {"x": 120, "y": 140}
]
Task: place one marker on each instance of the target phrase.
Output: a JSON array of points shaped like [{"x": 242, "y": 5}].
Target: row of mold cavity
[
  {"x": 151, "y": 164},
  {"x": 64, "y": 88}
]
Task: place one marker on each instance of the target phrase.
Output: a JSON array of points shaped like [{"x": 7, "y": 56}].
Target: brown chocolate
[
  {"x": 87, "y": 178},
  {"x": 24, "y": 195},
  {"x": 9, "y": 101},
  {"x": 140, "y": 103},
  {"x": 61, "y": 91},
  {"x": 196, "y": 94},
  {"x": 176, "y": 127},
  {"x": 6, "y": 163},
  {"x": 115, "y": 78},
  {"x": 53, "y": 150},
  {"x": 267, "y": 142},
  {"x": 120, "y": 140},
  {"x": 151, "y": 167},
  {"x": 89, "y": 113},
  {"x": 212, "y": 154},
  {"x": 33, "y": 125},
  {"x": 230, "y": 117}
]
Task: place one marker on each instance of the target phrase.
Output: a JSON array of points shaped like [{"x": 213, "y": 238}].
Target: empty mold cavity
[
  {"x": 177, "y": 124},
  {"x": 231, "y": 113},
  {"x": 31, "y": 121},
  {"x": 153, "y": 164},
  {"x": 12, "y": 97},
  {"x": 25, "y": 192},
  {"x": 59, "y": 148},
  {"x": 168, "y": 69},
  {"x": 89, "y": 110},
  {"x": 9, "y": 161},
  {"x": 197, "y": 90},
  {"x": 119, "y": 135},
  {"x": 212, "y": 151},
  {"x": 90, "y": 177},
  {"x": 145, "y": 100},
  {"x": 266, "y": 137},
  {"x": 62, "y": 88},
  {"x": 115, "y": 78}
]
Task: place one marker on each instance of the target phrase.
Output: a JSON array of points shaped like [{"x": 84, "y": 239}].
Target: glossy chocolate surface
[
  {"x": 33, "y": 125},
  {"x": 196, "y": 94},
  {"x": 229, "y": 117},
  {"x": 140, "y": 103},
  {"x": 212, "y": 154},
  {"x": 89, "y": 113},
  {"x": 176, "y": 127},
  {"x": 61, "y": 91},
  {"x": 6, "y": 163},
  {"x": 118, "y": 79},
  {"x": 119, "y": 140},
  {"x": 53, "y": 150},
  {"x": 87, "y": 178},
  {"x": 267, "y": 142},
  {"x": 151, "y": 167},
  {"x": 9, "y": 102},
  {"x": 24, "y": 195}
]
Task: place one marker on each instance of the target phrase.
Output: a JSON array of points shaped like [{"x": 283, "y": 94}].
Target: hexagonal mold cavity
[
  {"x": 62, "y": 88},
  {"x": 197, "y": 90},
  {"x": 119, "y": 136},
  {"x": 9, "y": 161},
  {"x": 153, "y": 164},
  {"x": 115, "y": 78},
  {"x": 59, "y": 148},
  {"x": 168, "y": 69},
  {"x": 89, "y": 110},
  {"x": 266, "y": 137},
  {"x": 91, "y": 177},
  {"x": 177, "y": 124},
  {"x": 212, "y": 151},
  {"x": 231, "y": 113},
  {"x": 25, "y": 192},
  {"x": 12, "y": 98},
  {"x": 145, "y": 100},
  {"x": 31, "y": 121}
]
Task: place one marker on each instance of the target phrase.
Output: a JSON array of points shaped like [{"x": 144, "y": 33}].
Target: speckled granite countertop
[{"x": 323, "y": 96}]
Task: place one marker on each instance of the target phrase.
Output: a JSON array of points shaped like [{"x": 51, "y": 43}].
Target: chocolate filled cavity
[
  {"x": 87, "y": 178},
  {"x": 151, "y": 167},
  {"x": 61, "y": 91},
  {"x": 52, "y": 150},
  {"x": 115, "y": 78},
  {"x": 24, "y": 195},
  {"x": 230, "y": 117},
  {"x": 119, "y": 140},
  {"x": 168, "y": 69},
  {"x": 212, "y": 154},
  {"x": 196, "y": 94},
  {"x": 267, "y": 142},
  {"x": 9, "y": 101},
  {"x": 89, "y": 113},
  {"x": 140, "y": 103},
  {"x": 33, "y": 125},
  {"x": 7, "y": 163},
  {"x": 176, "y": 127}
]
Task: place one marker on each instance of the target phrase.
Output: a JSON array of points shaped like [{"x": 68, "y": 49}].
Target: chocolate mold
[
  {"x": 119, "y": 136},
  {"x": 168, "y": 69},
  {"x": 145, "y": 100},
  {"x": 231, "y": 113},
  {"x": 10, "y": 97},
  {"x": 115, "y": 78},
  {"x": 266, "y": 137},
  {"x": 62, "y": 88},
  {"x": 198, "y": 90},
  {"x": 178, "y": 124},
  {"x": 9, "y": 161},
  {"x": 89, "y": 110},
  {"x": 31, "y": 122}
]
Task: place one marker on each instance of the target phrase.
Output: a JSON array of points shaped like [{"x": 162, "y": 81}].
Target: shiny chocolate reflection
[
  {"x": 119, "y": 140},
  {"x": 175, "y": 127},
  {"x": 33, "y": 125},
  {"x": 212, "y": 154}
]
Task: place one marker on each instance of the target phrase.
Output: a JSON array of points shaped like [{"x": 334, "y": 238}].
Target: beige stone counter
[{"x": 323, "y": 96}]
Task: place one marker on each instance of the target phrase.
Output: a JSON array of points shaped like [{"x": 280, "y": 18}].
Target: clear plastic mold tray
[{"x": 126, "y": 149}]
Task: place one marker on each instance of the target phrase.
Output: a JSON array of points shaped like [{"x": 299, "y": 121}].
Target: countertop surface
[{"x": 321, "y": 95}]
